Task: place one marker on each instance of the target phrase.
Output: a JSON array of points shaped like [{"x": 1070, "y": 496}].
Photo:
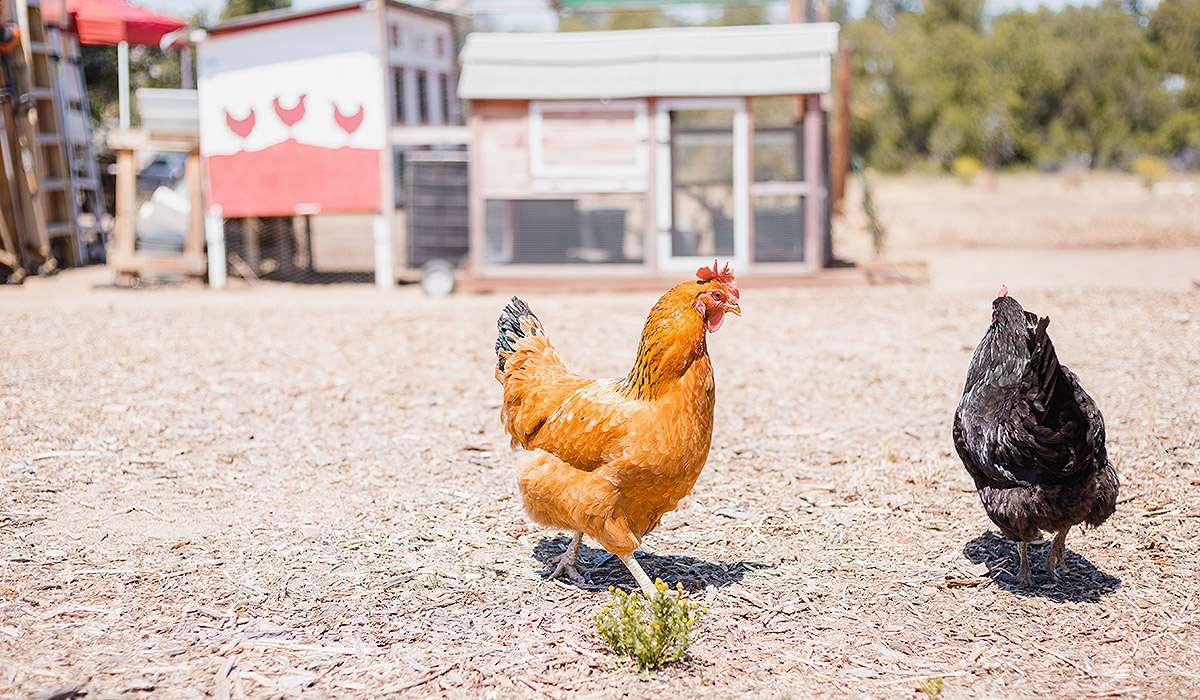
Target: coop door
[{"x": 702, "y": 182}]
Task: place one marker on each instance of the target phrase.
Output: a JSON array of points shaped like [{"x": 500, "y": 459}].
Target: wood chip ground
[{"x": 283, "y": 491}]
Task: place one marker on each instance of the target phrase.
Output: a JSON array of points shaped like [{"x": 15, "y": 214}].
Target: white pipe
[
  {"x": 214, "y": 231},
  {"x": 185, "y": 68},
  {"x": 123, "y": 81},
  {"x": 383, "y": 252}
]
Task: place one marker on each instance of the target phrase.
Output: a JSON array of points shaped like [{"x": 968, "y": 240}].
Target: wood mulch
[{"x": 296, "y": 492}]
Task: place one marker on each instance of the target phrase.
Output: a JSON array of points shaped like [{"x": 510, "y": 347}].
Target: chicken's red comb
[
  {"x": 724, "y": 276},
  {"x": 1003, "y": 290}
]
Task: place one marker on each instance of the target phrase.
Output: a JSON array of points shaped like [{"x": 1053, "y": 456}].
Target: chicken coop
[
  {"x": 305, "y": 117},
  {"x": 629, "y": 155}
]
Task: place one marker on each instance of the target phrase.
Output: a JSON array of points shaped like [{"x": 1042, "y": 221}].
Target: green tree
[
  {"x": 1174, "y": 29},
  {"x": 1084, "y": 83},
  {"x": 238, "y": 8}
]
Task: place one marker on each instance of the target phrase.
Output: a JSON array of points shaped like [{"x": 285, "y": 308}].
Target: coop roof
[
  {"x": 287, "y": 14},
  {"x": 791, "y": 59}
]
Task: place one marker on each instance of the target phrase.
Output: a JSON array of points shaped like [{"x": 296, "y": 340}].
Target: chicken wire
[{"x": 316, "y": 249}]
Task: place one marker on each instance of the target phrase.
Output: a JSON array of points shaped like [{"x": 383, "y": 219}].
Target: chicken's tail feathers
[{"x": 516, "y": 322}]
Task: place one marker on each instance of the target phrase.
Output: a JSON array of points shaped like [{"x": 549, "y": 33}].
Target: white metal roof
[{"x": 789, "y": 59}]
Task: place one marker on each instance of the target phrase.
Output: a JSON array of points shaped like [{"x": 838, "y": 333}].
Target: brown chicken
[{"x": 611, "y": 456}]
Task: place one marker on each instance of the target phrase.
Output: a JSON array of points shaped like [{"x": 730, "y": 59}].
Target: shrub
[
  {"x": 965, "y": 168},
  {"x": 1150, "y": 169},
  {"x": 650, "y": 632}
]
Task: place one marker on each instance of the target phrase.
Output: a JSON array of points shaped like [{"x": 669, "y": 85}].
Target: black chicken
[{"x": 1031, "y": 437}]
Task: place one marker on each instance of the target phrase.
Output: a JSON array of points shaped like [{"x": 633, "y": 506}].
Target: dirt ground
[{"x": 285, "y": 491}]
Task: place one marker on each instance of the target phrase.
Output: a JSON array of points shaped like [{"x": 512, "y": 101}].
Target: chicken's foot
[
  {"x": 1023, "y": 577},
  {"x": 640, "y": 576},
  {"x": 1054, "y": 560},
  {"x": 566, "y": 562}
]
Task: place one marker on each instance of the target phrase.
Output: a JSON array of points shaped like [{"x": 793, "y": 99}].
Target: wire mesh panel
[
  {"x": 780, "y": 191},
  {"x": 596, "y": 229},
  {"x": 779, "y": 228},
  {"x": 437, "y": 197},
  {"x": 702, "y": 205},
  {"x": 321, "y": 249}
]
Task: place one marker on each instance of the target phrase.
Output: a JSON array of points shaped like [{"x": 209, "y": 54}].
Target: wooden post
[
  {"x": 797, "y": 11},
  {"x": 841, "y": 141},
  {"x": 126, "y": 226},
  {"x": 750, "y": 125},
  {"x": 193, "y": 242},
  {"x": 813, "y": 133},
  {"x": 251, "y": 229}
]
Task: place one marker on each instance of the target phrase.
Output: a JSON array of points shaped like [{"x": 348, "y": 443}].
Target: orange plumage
[{"x": 611, "y": 456}]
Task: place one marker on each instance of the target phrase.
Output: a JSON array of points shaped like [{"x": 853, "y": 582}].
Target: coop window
[
  {"x": 595, "y": 229},
  {"x": 778, "y": 141},
  {"x": 779, "y": 192},
  {"x": 779, "y": 227},
  {"x": 447, "y": 101},
  {"x": 604, "y": 142},
  {"x": 422, "y": 97},
  {"x": 398, "y": 96}
]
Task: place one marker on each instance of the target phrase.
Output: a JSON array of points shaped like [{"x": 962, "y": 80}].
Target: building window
[
  {"x": 394, "y": 36},
  {"x": 441, "y": 46},
  {"x": 447, "y": 101},
  {"x": 422, "y": 97},
  {"x": 398, "y": 95}
]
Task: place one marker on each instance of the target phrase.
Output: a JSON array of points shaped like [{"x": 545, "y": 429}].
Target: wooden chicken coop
[
  {"x": 629, "y": 155},
  {"x": 305, "y": 118}
]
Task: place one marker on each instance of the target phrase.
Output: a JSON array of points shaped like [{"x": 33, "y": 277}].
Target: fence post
[
  {"x": 383, "y": 252},
  {"x": 214, "y": 232}
]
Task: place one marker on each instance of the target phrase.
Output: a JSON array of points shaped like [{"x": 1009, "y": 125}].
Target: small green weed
[
  {"x": 932, "y": 687},
  {"x": 650, "y": 632}
]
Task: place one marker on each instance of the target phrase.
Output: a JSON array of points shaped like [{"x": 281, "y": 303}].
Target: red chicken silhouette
[
  {"x": 289, "y": 116},
  {"x": 241, "y": 127},
  {"x": 349, "y": 123}
]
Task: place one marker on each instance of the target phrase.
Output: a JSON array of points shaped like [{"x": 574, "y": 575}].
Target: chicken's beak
[{"x": 733, "y": 308}]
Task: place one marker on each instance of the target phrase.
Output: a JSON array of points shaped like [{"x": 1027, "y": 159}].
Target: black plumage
[{"x": 1031, "y": 437}]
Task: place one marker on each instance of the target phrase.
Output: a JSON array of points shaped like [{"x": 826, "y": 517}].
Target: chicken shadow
[
  {"x": 608, "y": 570},
  {"x": 1079, "y": 582}
]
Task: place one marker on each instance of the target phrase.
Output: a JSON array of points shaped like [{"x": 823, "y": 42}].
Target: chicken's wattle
[{"x": 714, "y": 319}]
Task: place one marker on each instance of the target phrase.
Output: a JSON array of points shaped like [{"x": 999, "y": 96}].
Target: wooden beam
[
  {"x": 144, "y": 140},
  {"x": 193, "y": 243},
  {"x": 130, "y": 264},
  {"x": 841, "y": 139},
  {"x": 813, "y": 134}
]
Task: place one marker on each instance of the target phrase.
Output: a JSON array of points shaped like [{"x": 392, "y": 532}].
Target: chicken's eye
[{"x": 717, "y": 296}]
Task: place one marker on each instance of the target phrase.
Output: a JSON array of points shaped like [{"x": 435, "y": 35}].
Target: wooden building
[
  {"x": 306, "y": 112},
  {"x": 599, "y": 156}
]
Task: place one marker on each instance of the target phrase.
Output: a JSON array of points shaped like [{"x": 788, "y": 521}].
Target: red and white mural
[{"x": 292, "y": 118}]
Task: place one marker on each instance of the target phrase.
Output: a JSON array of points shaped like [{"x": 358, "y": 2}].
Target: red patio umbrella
[{"x": 110, "y": 22}]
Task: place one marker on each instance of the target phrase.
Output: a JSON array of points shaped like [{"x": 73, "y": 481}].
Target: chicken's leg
[
  {"x": 567, "y": 560},
  {"x": 639, "y": 575},
  {"x": 1054, "y": 560},
  {"x": 1023, "y": 577}
]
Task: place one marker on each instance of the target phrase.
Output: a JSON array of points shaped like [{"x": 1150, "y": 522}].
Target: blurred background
[{"x": 1026, "y": 100}]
